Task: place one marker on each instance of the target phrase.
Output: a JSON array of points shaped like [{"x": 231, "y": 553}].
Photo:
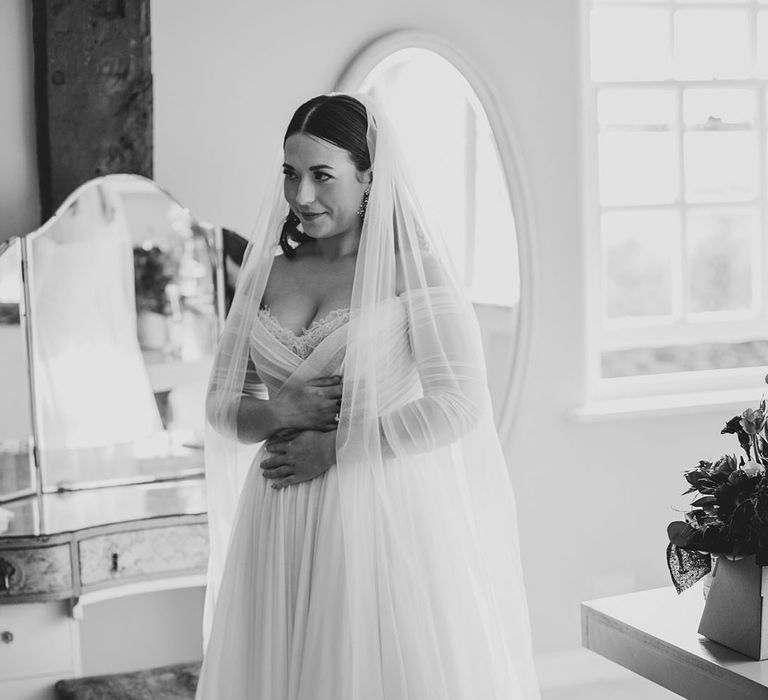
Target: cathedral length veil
[{"x": 435, "y": 594}]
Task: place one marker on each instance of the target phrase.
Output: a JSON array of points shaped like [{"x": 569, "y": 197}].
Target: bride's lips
[{"x": 311, "y": 217}]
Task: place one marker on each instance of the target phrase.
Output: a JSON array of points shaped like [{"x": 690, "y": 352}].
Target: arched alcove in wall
[{"x": 459, "y": 148}]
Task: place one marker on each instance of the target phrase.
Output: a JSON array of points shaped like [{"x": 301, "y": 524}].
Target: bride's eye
[
  {"x": 289, "y": 175},
  {"x": 322, "y": 176}
]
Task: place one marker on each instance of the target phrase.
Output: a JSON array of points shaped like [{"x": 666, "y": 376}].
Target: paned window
[{"x": 676, "y": 187}]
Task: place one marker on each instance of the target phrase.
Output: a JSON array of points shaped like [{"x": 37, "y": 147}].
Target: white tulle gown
[{"x": 280, "y": 628}]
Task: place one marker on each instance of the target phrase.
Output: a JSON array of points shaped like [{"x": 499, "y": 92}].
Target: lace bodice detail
[{"x": 302, "y": 344}]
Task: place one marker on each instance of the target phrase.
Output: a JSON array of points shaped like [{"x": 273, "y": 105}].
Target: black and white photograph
[{"x": 412, "y": 350}]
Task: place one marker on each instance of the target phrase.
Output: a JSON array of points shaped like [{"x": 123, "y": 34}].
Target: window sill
[{"x": 733, "y": 400}]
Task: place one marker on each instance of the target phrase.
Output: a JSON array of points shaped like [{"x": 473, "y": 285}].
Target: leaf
[
  {"x": 704, "y": 501},
  {"x": 681, "y": 534}
]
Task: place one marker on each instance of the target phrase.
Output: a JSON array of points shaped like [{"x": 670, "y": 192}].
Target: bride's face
[{"x": 322, "y": 186}]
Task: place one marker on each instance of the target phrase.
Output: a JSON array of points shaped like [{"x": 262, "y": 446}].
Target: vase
[
  {"x": 736, "y": 607},
  {"x": 706, "y": 581},
  {"x": 152, "y": 330}
]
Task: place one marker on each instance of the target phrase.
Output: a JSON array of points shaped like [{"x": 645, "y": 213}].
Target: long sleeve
[
  {"x": 252, "y": 384},
  {"x": 448, "y": 355},
  {"x": 222, "y": 411}
]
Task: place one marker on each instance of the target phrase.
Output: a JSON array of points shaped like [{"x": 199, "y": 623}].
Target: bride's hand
[
  {"x": 304, "y": 456},
  {"x": 311, "y": 405}
]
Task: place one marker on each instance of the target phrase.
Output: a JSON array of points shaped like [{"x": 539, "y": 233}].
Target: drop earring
[{"x": 364, "y": 204}]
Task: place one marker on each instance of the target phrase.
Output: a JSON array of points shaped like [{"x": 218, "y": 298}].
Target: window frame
[{"x": 687, "y": 387}]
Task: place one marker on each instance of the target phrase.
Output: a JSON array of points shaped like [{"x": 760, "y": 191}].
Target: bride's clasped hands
[
  {"x": 306, "y": 447},
  {"x": 301, "y": 457}
]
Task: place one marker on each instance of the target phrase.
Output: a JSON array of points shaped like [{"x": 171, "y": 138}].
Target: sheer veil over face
[
  {"x": 322, "y": 186},
  {"x": 436, "y": 606}
]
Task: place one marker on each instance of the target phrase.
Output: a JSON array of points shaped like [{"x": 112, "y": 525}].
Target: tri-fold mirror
[{"x": 109, "y": 317}]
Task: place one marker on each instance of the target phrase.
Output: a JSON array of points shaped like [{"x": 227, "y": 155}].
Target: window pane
[
  {"x": 721, "y": 166},
  {"x": 720, "y": 249},
  {"x": 496, "y": 270},
  {"x": 712, "y": 44},
  {"x": 637, "y": 168},
  {"x": 762, "y": 45},
  {"x": 719, "y": 109},
  {"x": 638, "y": 262},
  {"x": 433, "y": 139},
  {"x": 454, "y": 161},
  {"x": 684, "y": 358},
  {"x": 630, "y": 44},
  {"x": 635, "y": 107}
]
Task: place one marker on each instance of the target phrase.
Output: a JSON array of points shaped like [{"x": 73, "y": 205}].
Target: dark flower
[
  {"x": 734, "y": 426},
  {"x": 154, "y": 269},
  {"x": 753, "y": 421},
  {"x": 729, "y": 516},
  {"x": 725, "y": 465}
]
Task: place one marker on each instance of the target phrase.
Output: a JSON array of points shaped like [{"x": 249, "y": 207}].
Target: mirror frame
[
  {"x": 24, "y": 330},
  {"x": 515, "y": 175},
  {"x": 26, "y": 317}
]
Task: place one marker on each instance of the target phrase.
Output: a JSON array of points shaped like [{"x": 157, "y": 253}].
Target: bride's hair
[{"x": 340, "y": 120}]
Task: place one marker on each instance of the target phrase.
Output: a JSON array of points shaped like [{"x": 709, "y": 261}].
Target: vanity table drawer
[
  {"x": 143, "y": 554},
  {"x": 36, "y": 639},
  {"x": 35, "y": 570}
]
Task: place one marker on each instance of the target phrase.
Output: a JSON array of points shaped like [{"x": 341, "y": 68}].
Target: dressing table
[{"x": 109, "y": 316}]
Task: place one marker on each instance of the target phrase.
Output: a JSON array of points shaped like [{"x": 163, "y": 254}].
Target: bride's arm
[
  {"x": 246, "y": 414},
  {"x": 448, "y": 354},
  {"x": 256, "y": 417}
]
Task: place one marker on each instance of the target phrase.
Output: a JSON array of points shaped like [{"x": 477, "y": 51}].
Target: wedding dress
[
  {"x": 277, "y": 632},
  {"x": 280, "y": 629},
  {"x": 395, "y": 575}
]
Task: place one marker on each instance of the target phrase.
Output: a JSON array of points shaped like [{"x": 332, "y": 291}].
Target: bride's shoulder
[
  {"x": 282, "y": 278},
  {"x": 423, "y": 268}
]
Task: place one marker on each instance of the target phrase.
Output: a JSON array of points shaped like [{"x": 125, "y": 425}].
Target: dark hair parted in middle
[{"x": 340, "y": 120}]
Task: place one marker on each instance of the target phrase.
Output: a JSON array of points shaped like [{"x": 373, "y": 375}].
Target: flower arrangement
[
  {"x": 153, "y": 269},
  {"x": 730, "y": 515}
]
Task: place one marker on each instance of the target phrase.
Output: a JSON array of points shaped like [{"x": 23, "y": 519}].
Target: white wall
[
  {"x": 594, "y": 498},
  {"x": 19, "y": 200},
  {"x": 226, "y": 83}
]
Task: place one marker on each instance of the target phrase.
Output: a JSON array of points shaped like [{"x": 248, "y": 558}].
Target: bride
[{"x": 363, "y": 530}]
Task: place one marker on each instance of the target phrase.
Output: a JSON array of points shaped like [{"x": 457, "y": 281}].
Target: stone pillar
[{"x": 93, "y": 92}]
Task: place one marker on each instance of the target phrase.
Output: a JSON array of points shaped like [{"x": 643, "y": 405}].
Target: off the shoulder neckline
[{"x": 345, "y": 312}]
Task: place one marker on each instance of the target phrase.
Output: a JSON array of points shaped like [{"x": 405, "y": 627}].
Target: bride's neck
[{"x": 335, "y": 248}]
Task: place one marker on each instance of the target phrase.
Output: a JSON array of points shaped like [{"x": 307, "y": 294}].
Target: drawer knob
[
  {"x": 114, "y": 562},
  {"x": 7, "y": 570},
  {"x": 6, "y": 636}
]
